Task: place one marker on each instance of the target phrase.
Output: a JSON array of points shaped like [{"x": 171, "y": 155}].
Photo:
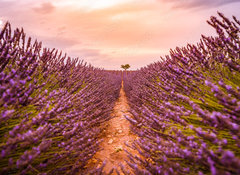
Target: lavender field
[{"x": 184, "y": 110}]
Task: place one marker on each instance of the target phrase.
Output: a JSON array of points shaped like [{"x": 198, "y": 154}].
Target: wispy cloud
[
  {"x": 197, "y": 3},
  {"x": 89, "y": 52},
  {"x": 59, "y": 42},
  {"x": 4, "y": 4},
  {"x": 44, "y": 8}
]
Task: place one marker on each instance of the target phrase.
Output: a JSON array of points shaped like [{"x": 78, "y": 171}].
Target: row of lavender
[
  {"x": 51, "y": 108},
  {"x": 186, "y": 107}
]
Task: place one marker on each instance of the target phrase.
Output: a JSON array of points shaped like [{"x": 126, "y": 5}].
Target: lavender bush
[
  {"x": 51, "y": 107},
  {"x": 186, "y": 107}
]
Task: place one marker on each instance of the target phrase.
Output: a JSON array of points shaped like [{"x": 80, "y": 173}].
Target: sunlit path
[{"x": 116, "y": 135}]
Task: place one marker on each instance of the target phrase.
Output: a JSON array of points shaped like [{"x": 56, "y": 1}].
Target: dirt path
[{"x": 116, "y": 135}]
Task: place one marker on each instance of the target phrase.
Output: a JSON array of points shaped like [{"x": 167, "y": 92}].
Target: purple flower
[
  {"x": 228, "y": 87},
  {"x": 30, "y": 157},
  {"x": 22, "y": 82},
  {"x": 208, "y": 83},
  {"x": 235, "y": 126},
  {"x": 228, "y": 155},
  {"x": 224, "y": 141},
  {"x": 12, "y": 82},
  {"x": 213, "y": 170},
  {"x": 3, "y": 153}
]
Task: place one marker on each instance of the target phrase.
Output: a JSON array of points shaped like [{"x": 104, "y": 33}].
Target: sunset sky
[{"x": 108, "y": 33}]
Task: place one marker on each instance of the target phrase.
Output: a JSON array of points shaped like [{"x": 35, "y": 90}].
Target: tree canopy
[{"x": 125, "y": 67}]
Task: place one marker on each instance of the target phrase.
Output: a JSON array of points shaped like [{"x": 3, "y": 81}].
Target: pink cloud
[{"x": 45, "y": 8}]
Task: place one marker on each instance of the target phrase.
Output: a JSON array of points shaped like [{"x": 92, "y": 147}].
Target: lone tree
[{"x": 125, "y": 67}]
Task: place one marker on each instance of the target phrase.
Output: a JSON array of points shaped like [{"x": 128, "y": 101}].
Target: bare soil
[{"x": 116, "y": 134}]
